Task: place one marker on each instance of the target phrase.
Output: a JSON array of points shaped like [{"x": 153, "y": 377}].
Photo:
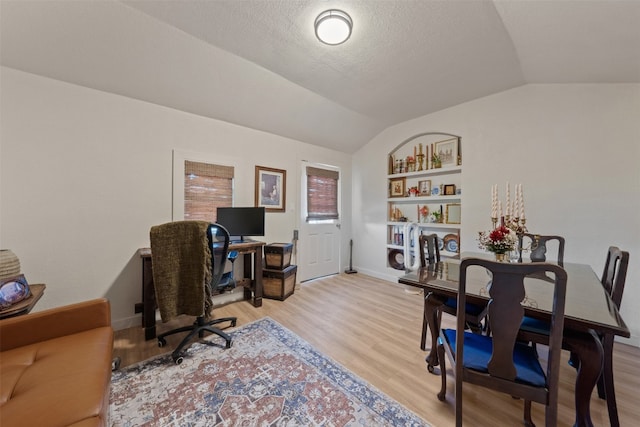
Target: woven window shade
[
  {"x": 206, "y": 188},
  {"x": 322, "y": 193}
]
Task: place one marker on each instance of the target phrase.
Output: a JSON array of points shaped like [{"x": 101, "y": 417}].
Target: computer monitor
[{"x": 242, "y": 222}]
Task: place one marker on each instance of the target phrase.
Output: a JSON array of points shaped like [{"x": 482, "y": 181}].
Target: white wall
[
  {"x": 85, "y": 174},
  {"x": 575, "y": 149}
]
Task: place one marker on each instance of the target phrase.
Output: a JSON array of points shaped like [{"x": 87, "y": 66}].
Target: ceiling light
[{"x": 333, "y": 27}]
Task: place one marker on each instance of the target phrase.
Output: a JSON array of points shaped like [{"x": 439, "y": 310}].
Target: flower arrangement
[
  {"x": 500, "y": 240},
  {"x": 413, "y": 191}
]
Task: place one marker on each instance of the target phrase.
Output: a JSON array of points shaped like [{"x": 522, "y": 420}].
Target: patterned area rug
[{"x": 270, "y": 377}]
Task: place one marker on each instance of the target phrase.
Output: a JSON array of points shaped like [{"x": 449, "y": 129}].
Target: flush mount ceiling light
[{"x": 333, "y": 27}]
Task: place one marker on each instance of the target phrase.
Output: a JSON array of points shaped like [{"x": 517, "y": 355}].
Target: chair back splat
[
  {"x": 429, "y": 249},
  {"x": 499, "y": 361},
  {"x": 538, "y": 244}
]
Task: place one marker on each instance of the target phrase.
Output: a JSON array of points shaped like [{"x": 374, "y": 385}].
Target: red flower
[{"x": 498, "y": 234}]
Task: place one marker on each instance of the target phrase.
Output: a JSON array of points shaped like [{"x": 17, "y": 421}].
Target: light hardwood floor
[{"x": 372, "y": 327}]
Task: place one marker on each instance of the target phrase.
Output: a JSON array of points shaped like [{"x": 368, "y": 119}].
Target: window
[
  {"x": 206, "y": 187},
  {"x": 322, "y": 194}
]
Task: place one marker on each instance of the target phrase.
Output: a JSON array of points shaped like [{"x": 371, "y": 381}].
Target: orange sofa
[{"x": 55, "y": 366}]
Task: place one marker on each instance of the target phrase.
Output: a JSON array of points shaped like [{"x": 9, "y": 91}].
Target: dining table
[{"x": 589, "y": 312}]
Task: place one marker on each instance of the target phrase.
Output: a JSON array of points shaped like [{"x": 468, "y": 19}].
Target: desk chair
[
  {"x": 474, "y": 314},
  {"x": 189, "y": 258},
  {"x": 499, "y": 362},
  {"x": 227, "y": 281}
]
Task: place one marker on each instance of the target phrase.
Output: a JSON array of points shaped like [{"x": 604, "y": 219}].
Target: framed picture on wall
[
  {"x": 449, "y": 190},
  {"x": 271, "y": 189},
  {"x": 424, "y": 187},
  {"x": 447, "y": 151},
  {"x": 453, "y": 213},
  {"x": 397, "y": 187}
]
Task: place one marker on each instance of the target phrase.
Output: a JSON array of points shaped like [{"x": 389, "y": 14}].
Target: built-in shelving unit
[{"x": 417, "y": 185}]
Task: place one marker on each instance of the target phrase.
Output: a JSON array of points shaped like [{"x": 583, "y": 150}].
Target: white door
[{"x": 319, "y": 239}]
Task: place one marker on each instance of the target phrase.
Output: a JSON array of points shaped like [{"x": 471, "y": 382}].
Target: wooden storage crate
[
  {"x": 279, "y": 284},
  {"x": 277, "y": 256}
]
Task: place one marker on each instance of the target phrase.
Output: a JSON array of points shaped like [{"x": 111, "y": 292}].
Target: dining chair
[
  {"x": 189, "y": 259},
  {"x": 538, "y": 245},
  {"x": 613, "y": 280},
  {"x": 499, "y": 361},
  {"x": 474, "y": 314}
]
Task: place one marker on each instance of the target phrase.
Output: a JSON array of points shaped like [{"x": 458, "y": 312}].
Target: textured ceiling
[{"x": 258, "y": 64}]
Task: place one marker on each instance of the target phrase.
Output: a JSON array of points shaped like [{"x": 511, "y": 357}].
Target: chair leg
[
  {"x": 423, "y": 339},
  {"x": 199, "y": 327},
  {"x": 528, "y": 422},
  {"x": 443, "y": 371},
  {"x": 606, "y": 378}
]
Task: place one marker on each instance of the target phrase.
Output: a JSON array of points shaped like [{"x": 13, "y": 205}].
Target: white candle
[
  {"x": 508, "y": 201},
  {"x": 516, "y": 210},
  {"x": 494, "y": 203},
  {"x": 521, "y": 203},
  {"x": 499, "y": 209}
]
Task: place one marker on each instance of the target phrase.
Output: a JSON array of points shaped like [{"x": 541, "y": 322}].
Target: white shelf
[
  {"x": 443, "y": 252},
  {"x": 428, "y": 172},
  {"x": 440, "y": 177},
  {"x": 429, "y": 225},
  {"x": 426, "y": 199}
]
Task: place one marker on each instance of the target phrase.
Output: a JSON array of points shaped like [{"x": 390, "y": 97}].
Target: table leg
[
  {"x": 588, "y": 348},
  {"x": 432, "y": 304},
  {"x": 148, "y": 300},
  {"x": 257, "y": 279}
]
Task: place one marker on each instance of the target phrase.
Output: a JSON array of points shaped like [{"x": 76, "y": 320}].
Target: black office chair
[
  {"x": 498, "y": 361},
  {"x": 474, "y": 314},
  {"x": 227, "y": 281},
  {"x": 189, "y": 258}
]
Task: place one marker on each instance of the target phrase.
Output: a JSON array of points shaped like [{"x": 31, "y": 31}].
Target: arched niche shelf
[{"x": 424, "y": 195}]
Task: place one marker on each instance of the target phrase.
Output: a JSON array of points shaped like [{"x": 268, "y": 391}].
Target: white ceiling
[{"x": 257, "y": 63}]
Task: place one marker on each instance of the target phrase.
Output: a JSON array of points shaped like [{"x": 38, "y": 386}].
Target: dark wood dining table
[{"x": 589, "y": 311}]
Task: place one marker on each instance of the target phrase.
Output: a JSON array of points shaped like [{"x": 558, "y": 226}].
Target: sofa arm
[{"x": 53, "y": 323}]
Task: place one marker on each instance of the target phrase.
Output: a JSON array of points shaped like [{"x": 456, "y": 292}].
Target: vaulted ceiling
[{"x": 257, "y": 63}]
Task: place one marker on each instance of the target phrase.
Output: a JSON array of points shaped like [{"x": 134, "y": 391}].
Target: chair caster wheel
[
  {"x": 430, "y": 368},
  {"x": 161, "y": 342},
  {"x": 233, "y": 323},
  {"x": 229, "y": 344},
  {"x": 178, "y": 360},
  {"x": 115, "y": 364}
]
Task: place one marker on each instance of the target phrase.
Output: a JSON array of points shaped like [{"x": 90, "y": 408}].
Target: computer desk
[{"x": 252, "y": 282}]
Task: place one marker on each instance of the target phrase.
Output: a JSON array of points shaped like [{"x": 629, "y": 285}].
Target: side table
[{"x": 26, "y": 305}]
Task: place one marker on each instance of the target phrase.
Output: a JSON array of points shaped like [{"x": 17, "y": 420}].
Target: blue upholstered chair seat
[
  {"x": 472, "y": 309},
  {"x": 537, "y": 326},
  {"x": 477, "y": 352}
]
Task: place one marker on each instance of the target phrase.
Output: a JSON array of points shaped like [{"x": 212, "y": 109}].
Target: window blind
[
  {"x": 206, "y": 187},
  {"x": 322, "y": 193}
]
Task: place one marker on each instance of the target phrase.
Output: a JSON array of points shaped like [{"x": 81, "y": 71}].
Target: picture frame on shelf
[
  {"x": 424, "y": 187},
  {"x": 447, "y": 151},
  {"x": 270, "y": 189},
  {"x": 397, "y": 187},
  {"x": 449, "y": 190},
  {"x": 453, "y": 213}
]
